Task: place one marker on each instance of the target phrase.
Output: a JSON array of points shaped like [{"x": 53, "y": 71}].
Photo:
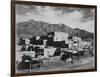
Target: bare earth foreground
[{"x": 58, "y": 65}]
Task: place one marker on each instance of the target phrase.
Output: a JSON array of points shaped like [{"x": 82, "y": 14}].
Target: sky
[{"x": 82, "y": 18}]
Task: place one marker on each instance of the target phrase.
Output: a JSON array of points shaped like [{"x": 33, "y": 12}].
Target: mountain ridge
[{"x": 37, "y": 28}]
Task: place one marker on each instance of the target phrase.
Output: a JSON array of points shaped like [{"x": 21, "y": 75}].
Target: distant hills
[
  {"x": 83, "y": 34},
  {"x": 37, "y": 28}
]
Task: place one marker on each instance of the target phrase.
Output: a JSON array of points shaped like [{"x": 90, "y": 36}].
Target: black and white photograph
[{"x": 54, "y": 38}]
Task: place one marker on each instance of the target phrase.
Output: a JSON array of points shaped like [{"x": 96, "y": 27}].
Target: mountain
[
  {"x": 83, "y": 34},
  {"x": 35, "y": 28}
]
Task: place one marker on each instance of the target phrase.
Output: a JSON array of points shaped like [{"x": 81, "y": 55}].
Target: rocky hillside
[
  {"x": 83, "y": 34},
  {"x": 34, "y": 28}
]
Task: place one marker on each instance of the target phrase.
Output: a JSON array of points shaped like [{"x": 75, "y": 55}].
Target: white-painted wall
[
  {"x": 60, "y": 36},
  {"x": 49, "y": 51}
]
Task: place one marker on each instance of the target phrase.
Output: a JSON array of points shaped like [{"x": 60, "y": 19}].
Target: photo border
[{"x": 13, "y": 37}]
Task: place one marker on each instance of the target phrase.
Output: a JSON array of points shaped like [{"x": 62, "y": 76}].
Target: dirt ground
[{"x": 58, "y": 65}]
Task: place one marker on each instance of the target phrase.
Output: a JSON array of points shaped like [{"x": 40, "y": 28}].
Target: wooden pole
[
  {"x": 30, "y": 63},
  {"x": 48, "y": 59}
]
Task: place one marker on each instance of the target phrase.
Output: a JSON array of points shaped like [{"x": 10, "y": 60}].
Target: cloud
[{"x": 74, "y": 17}]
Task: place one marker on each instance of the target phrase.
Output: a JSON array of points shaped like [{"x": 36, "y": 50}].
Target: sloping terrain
[{"x": 35, "y": 28}]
